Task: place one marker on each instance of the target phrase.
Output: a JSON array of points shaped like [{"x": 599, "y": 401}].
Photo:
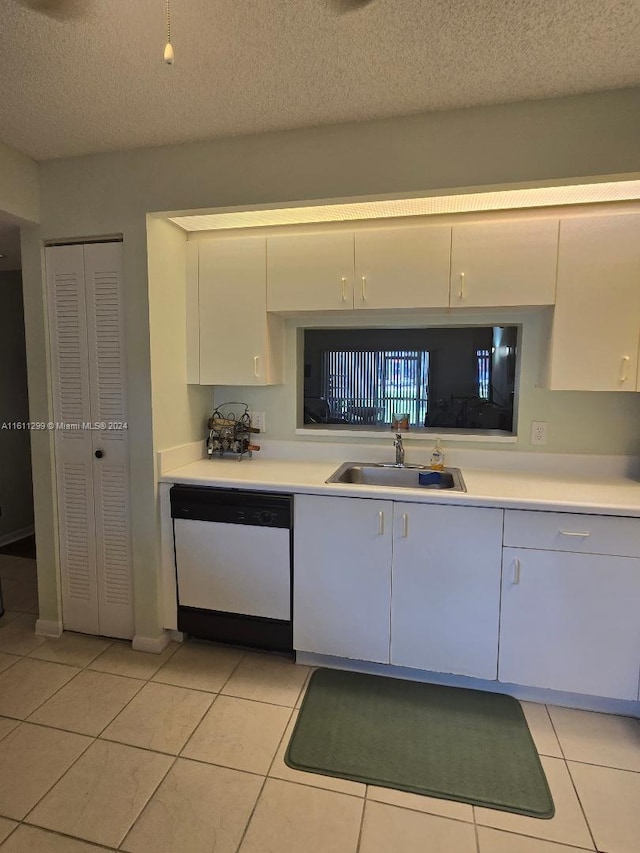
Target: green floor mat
[{"x": 448, "y": 742}]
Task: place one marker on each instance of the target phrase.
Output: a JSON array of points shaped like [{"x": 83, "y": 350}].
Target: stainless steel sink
[{"x": 397, "y": 476}]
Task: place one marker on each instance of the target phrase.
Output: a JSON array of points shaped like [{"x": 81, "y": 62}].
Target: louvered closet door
[
  {"x": 107, "y": 391},
  {"x": 73, "y": 443},
  {"x": 85, "y": 291}
]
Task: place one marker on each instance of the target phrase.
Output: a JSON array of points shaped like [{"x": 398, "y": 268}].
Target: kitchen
[
  {"x": 133, "y": 193},
  {"x": 179, "y": 410}
]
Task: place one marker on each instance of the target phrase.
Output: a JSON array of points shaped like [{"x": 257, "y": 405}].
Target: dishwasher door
[
  {"x": 234, "y": 568},
  {"x": 233, "y": 565}
]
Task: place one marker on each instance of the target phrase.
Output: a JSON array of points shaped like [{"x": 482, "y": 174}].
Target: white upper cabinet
[
  {"x": 504, "y": 263},
  {"x": 310, "y": 272},
  {"x": 238, "y": 343},
  {"x": 402, "y": 267},
  {"x": 596, "y": 323}
]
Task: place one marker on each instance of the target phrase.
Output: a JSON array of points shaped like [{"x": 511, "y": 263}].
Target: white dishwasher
[{"x": 233, "y": 565}]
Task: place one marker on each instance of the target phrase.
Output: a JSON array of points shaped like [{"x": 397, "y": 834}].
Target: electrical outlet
[
  {"x": 539, "y": 432},
  {"x": 258, "y": 421}
]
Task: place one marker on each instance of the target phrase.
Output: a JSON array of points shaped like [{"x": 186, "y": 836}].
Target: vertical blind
[
  {"x": 483, "y": 361},
  {"x": 368, "y": 387}
]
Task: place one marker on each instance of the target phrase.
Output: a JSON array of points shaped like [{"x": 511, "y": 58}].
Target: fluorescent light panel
[{"x": 465, "y": 203}]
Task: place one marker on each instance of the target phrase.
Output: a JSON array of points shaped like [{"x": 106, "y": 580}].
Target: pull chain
[{"x": 168, "y": 50}]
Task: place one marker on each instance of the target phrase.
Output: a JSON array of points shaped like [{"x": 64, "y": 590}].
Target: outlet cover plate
[
  {"x": 539, "y": 432},
  {"x": 258, "y": 420}
]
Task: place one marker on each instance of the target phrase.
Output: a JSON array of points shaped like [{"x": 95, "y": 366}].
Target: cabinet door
[
  {"x": 342, "y": 577},
  {"x": 446, "y": 588},
  {"x": 404, "y": 267},
  {"x": 504, "y": 263},
  {"x": 310, "y": 272},
  {"x": 233, "y": 320},
  {"x": 596, "y": 322},
  {"x": 570, "y": 622}
]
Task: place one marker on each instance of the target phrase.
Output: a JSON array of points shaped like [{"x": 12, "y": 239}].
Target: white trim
[
  {"x": 168, "y": 582},
  {"x": 417, "y": 433},
  {"x": 49, "y": 628},
  {"x": 16, "y": 535},
  {"x": 153, "y": 645},
  {"x": 602, "y": 704}
]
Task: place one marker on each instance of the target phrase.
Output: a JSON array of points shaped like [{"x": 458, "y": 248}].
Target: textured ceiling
[{"x": 98, "y": 83}]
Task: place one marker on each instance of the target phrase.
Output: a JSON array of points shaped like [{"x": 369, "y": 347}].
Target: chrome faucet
[{"x": 399, "y": 450}]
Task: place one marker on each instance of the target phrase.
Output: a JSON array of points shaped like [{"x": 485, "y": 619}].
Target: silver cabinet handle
[
  {"x": 516, "y": 571},
  {"x": 344, "y": 288},
  {"x": 256, "y": 362},
  {"x": 380, "y": 524},
  {"x": 405, "y": 525},
  {"x": 582, "y": 533},
  {"x": 364, "y": 288},
  {"x": 623, "y": 368},
  {"x": 461, "y": 291}
]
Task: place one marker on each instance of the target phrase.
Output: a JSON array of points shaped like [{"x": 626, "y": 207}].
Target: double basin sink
[{"x": 398, "y": 476}]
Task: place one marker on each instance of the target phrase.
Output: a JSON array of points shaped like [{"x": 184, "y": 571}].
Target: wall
[
  {"x": 16, "y": 499},
  {"x": 553, "y": 141},
  {"x": 19, "y": 187},
  {"x": 179, "y": 410}
]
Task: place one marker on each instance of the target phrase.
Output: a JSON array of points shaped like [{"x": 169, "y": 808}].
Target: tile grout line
[
  {"x": 51, "y": 787},
  {"x": 146, "y": 804},
  {"x": 476, "y": 829},
  {"x": 93, "y": 740},
  {"x": 72, "y": 731},
  {"x": 361, "y": 827},
  {"x": 58, "y": 834},
  {"x": 262, "y": 787},
  {"x": 566, "y": 844},
  {"x": 573, "y": 784},
  {"x": 197, "y": 726}
]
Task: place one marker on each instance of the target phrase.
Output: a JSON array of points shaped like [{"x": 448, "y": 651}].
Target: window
[{"x": 449, "y": 378}]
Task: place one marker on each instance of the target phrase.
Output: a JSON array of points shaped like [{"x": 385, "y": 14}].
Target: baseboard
[
  {"x": 48, "y": 628},
  {"x": 623, "y": 707},
  {"x": 153, "y": 645},
  {"x": 16, "y": 536}
]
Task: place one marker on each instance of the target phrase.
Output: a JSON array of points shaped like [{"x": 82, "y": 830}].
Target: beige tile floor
[{"x": 103, "y": 748}]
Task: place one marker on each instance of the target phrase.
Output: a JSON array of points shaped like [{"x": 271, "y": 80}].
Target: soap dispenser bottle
[{"x": 437, "y": 457}]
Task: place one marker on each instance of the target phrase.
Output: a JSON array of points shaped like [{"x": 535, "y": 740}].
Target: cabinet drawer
[{"x": 563, "y": 531}]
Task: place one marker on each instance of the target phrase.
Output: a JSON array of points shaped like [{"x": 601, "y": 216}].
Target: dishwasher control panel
[{"x": 231, "y": 506}]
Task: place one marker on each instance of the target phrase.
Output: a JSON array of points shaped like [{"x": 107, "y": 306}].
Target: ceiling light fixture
[{"x": 168, "y": 48}]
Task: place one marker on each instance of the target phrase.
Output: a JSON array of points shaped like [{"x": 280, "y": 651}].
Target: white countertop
[{"x": 514, "y": 489}]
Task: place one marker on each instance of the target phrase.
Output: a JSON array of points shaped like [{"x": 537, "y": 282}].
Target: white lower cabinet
[
  {"x": 342, "y": 577},
  {"x": 398, "y": 582},
  {"x": 570, "y": 621},
  {"x": 445, "y": 605}
]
